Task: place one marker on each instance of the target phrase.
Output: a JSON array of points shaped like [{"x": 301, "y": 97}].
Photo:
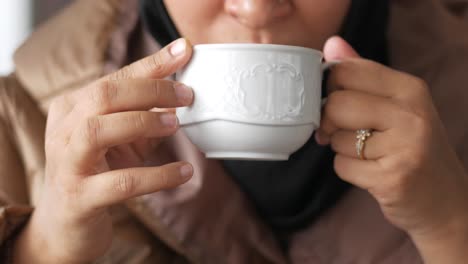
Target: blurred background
[{"x": 17, "y": 20}]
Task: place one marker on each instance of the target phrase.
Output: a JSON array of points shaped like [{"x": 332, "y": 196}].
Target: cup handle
[{"x": 326, "y": 66}]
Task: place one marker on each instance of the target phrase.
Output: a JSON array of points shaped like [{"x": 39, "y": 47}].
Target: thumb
[{"x": 337, "y": 49}]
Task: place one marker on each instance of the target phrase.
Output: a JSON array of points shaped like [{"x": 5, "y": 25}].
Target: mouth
[{"x": 256, "y": 38}]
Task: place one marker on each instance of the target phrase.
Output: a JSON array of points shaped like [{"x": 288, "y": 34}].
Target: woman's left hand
[{"x": 409, "y": 165}]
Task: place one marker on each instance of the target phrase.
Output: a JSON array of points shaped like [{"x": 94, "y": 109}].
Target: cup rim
[{"x": 256, "y": 46}]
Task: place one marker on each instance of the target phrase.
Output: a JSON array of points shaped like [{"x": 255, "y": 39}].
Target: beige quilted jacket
[{"x": 209, "y": 220}]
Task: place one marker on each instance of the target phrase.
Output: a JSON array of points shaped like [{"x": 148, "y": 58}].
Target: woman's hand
[
  {"x": 410, "y": 167},
  {"x": 97, "y": 139}
]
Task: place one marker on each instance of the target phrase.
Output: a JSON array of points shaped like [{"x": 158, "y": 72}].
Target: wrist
[
  {"x": 447, "y": 244},
  {"x": 32, "y": 246}
]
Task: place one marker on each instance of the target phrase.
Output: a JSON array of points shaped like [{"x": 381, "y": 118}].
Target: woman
[{"x": 104, "y": 147}]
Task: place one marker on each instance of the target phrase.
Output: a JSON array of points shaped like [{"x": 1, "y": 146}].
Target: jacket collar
[{"x": 75, "y": 47}]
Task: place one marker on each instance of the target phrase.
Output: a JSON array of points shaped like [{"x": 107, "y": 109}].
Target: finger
[
  {"x": 99, "y": 133},
  {"x": 119, "y": 185},
  {"x": 359, "y": 74},
  {"x": 159, "y": 65},
  {"x": 351, "y": 110},
  {"x": 132, "y": 94},
  {"x": 343, "y": 142},
  {"x": 374, "y": 78},
  {"x": 361, "y": 173}
]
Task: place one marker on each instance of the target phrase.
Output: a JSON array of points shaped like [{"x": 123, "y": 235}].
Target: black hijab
[{"x": 290, "y": 194}]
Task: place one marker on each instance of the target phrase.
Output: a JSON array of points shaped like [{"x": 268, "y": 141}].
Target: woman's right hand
[{"x": 97, "y": 139}]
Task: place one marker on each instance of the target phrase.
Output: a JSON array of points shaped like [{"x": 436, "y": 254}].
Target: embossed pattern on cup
[{"x": 261, "y": 92}]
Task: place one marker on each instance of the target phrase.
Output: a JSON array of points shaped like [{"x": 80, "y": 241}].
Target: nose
[{"x": 258, "y": 13}]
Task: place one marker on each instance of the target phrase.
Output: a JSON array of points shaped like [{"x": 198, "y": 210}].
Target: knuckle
[
  {"x": 420, "y": 85},
  {"x": 419, "y": 126},
  {"x": 126, "y": 72},
  {"x": 418, "y": 123},
  {"x": 125, "y": 184},
  {"x": 91, "y": 132},
  {"x": 164, "y": 178},
  {"x": 156, "y": 89},
  {"x": 418, "y": 88},
  {"x": 104, "y": 94},
  {"x": 140, "y": 120},
  {"x": 155, "y": 63}
]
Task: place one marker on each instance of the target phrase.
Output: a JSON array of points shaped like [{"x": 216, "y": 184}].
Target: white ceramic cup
[{"x": 252, "y": 101}]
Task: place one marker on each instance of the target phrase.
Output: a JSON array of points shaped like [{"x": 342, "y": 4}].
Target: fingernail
[
  {"x": 184, "y": 93},
  {"x": 186, "y": 172},
  {"x": 169, "y": 120},
  {"x": 178, "y": 47}
]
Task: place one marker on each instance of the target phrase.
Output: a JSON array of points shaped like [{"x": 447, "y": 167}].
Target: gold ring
[{"x": 362, "y": 135}]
